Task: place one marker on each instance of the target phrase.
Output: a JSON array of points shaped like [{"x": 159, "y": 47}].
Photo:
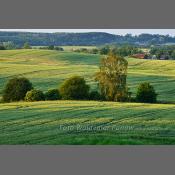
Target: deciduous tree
[{"x": 112, "y": 77}]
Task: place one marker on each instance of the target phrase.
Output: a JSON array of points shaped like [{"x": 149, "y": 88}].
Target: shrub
[
  {"x": 9, "y": 45},
  {"x": 34, "y": 95},
  {"x": 95, "y": 95},
  {"x": 124, "y": 97},
  {"x": 58, "y": 48},
  {"x": 94, "y": 51},
  {"x": 146, "y": 93},
  {"x": 104, "y": 50},
  {"x": 26, "y": 46},
  {"x": 121, "y": 97},
  {"x": 52, "y": 94},
  {"x": 51, "y": 47},
  {"x": 74, "y": 88},
  {"x": 16, "y": 89},
  {"x": 2, "y": 47}
]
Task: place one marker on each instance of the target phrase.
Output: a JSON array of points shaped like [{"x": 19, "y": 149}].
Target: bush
[
  {"x": 58, "y": 48},
  {"x": 124, "y": 97},
  {"x": 121, "y": 97},
  {"x": 9, "y": 45},
  {"x": 26, "y": 46},
  {"x": 74, "y": 88},
  {"x": 94, "y": 51},
  {"x": 16, "y": 89},
  {"x": 105, "y": 50},
  {"x": 146, "y": 93},
  {"x": 2, "y": 47},
  {"x": 51, "y": 47},
  {"x": 95, "y": 95},
  {"x": 52, "y": 94},
  {"x": 34, "y": 95}
]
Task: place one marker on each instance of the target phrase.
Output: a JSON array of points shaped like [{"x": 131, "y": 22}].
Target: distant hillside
[{"x": 92, "y": 38}]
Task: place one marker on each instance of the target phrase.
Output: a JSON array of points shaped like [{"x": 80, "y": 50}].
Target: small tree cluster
[
  {"x": 2, "y": 47},
  {"x": 74, "y": 88},
  {"x": 9, "y": 45},
  {"x": 26, "y": 46},
  {"x": 52, "y": 47},
  {"x": 111, "y": 80},
  {"x": 168, "y": 52},
  {"x": 120, "y": 50}
]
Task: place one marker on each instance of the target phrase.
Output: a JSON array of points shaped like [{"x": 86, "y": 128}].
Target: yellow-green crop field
[
  {"x": 67, "y": 122},
  {"x": 48, "y": 69},
  {"x": 86, "y": 122}
]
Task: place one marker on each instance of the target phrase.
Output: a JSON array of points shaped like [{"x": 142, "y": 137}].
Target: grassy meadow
[
  {"x": 70, "y": 122},
  {"x": 126, "y": 123},
  {"x": 48, "y": 69}
]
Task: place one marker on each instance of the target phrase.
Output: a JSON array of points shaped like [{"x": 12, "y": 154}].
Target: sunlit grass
[
  {"x": 48, "y": 69},
  {"x": 48, "y": 122}
]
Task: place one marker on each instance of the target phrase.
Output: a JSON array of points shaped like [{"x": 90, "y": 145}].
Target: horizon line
[{"x": 121, "y": 32}]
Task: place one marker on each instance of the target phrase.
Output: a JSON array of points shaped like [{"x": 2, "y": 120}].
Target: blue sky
[{"x": 113, "y": 31}]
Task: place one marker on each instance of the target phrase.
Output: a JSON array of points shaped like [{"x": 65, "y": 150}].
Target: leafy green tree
[
  {"x": 95, "y": 95},
  {"x": 105, "y": 50},
  {"x": 146, "y": 93},
  {"x": 153, "y": 51},
  {"x": 75, "y": 88},
  {"x": 51, "y": 47},
  {"x": 58, "y": 48},
  {"x": 125, "y": 50},
  {"x": 173, "y": 55},
  {"x": 16, "y": 89},
  {"x": 2, "y": 47},
  {"x": 52, "y": 94},
  {"x": 85, "y": 50},
  {"x": 26, "y": 46},
  {"x": 34, "y": 95},
  {"x": 112, "y": 77},
  {"x": 9, "y": 45},
  {"x": 94, "y": 51}
]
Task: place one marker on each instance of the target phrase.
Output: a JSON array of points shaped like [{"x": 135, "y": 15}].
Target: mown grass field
[
  {"x": 69, "y": 48},
  {"x": 86, "y": 122},
  {"x": 68, "y": 122},
  {"x": 48, "y": 69}
]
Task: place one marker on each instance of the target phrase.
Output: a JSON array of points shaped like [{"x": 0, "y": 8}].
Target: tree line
[
  {"x": 82, "y": 39},
  {"x": 9, "y": 45},
  {"x": 111, "y": 80},
  {"x": 121, "y": 50},
  {"x": 167, "y": 51}
]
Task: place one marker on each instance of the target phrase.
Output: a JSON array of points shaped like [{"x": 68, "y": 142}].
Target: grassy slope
[
  {"x": 48, "y": 122},
  {"x": 39, "y": 123},
  {"x": 46, "y": 69}
]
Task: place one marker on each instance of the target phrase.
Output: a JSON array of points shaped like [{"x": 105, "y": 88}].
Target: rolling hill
[
  {"x": 48, "y": 69},
  {"x": 85, "y": 122},
  {"x": 83, "y": 39}
]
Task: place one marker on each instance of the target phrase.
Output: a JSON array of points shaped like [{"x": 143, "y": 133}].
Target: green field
[
  {"x": 48, "y": 122},
  {"x": 69, "y": 122},
  {"x": 48, "y": 69},
  {"x": 69, "y": 48}
]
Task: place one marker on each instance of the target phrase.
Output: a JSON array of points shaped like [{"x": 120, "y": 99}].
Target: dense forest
[{"x": 92, "y": 38}]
